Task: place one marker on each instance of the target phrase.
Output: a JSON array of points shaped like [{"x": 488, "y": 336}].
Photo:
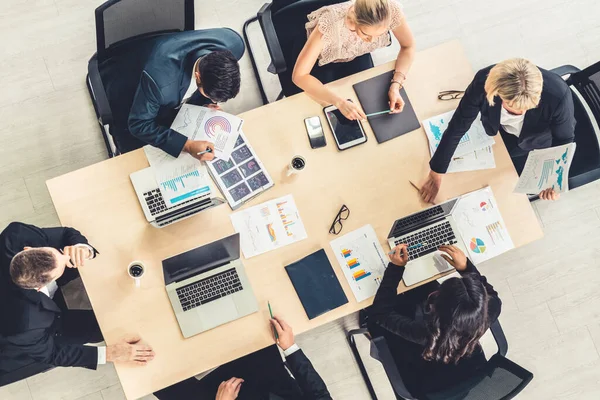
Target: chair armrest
[
  {"x": 381, "y": 352},
  {"x": 102, "y": 106},
  {"x": 266, "y": 23},
  {"x": 565, "y": 70},
  {"x": 500, "y": 338}
]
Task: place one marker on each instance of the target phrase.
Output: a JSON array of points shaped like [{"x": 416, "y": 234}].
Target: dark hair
[
  {"x": 30, "y": 269},
  {"x": 219, "y": 75},
  {"x": 457, "y": 317}
]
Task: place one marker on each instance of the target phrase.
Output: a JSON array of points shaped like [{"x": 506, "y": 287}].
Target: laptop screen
[{"x": 201, "y": 259}]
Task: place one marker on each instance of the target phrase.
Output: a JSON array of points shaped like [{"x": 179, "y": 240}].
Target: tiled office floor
[{"x": 549, "y": 288}]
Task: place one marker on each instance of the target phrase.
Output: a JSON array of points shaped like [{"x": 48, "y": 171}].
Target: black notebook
[
  {"x": 316, "y": 284},
  {"x": 373, "y": 97}
]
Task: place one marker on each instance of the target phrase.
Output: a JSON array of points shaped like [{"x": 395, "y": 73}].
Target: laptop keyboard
[
  {"x": 156, "y": 203},
  {"x": 435, "y": 236},
  {"x": 209, "y": 289}
]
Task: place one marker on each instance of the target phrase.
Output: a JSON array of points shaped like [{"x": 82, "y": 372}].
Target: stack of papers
[
  {"x": 545, "y": 169},
  {"x": 481, "y": 226},
  {"x": 362, "y": 260},
  {"x": 269, "y": 226},
  {"x": 474, "y": 151}
]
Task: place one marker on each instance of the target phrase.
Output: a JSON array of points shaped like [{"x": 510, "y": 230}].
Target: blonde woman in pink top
[{"x": 339, "y": 33}]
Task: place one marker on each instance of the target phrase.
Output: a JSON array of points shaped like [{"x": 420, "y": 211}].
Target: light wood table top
[{"x": 371, "y": 179}]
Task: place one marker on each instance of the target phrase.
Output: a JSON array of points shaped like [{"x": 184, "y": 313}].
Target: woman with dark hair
[{"x": 433, "y": 331}]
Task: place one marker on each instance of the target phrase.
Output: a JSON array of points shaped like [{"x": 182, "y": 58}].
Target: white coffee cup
[
  {"x": 296, "y": 165},
  {"x": 136, "y": 270}
]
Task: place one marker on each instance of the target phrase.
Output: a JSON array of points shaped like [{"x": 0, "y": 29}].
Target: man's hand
[
  {"x": 399, "y": 256},
  {"x": 198, "y": 146},
  {"x": 229, "y": 390},
  {"x": 396, "y": 100},
  {"x": 286, "y": 335},
  {"x": 549, "y": 194},
  {"x": 78, "y": 255},
  {"x": 130, "y": 349},
  {"x": 350, "y": 110},
  {"x": 458, "y": 260},
  {"x": 431, "y": 187}
]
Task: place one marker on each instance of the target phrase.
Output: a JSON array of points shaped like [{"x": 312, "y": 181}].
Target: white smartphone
[{"x": 347, "y": 133}]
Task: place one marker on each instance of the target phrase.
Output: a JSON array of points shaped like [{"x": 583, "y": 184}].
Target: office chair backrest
[
  {"x": 588, "y": 84},
  {"x": 120, "y": 20}
]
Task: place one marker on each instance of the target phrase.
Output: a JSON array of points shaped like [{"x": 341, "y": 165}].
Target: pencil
[
  {"x": 377, "y": 113},
  {"x": 271, "y": 313}
]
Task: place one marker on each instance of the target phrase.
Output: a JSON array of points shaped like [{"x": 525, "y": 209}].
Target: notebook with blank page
[
  {"x": 373, "y": 97},
  {"x": 316, "y": 284}
]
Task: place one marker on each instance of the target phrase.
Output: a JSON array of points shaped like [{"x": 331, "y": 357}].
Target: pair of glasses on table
[
  {"x": 451, "y": 94},
  {"x": 342, "y": 215}
]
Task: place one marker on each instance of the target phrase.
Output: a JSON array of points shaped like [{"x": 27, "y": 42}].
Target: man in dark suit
[
  {"x": 37, "y": 330},
  {"x": 531, "y": 107},
  {"x": 261, "y": 375},
  {"x": 198, "y": 67}
]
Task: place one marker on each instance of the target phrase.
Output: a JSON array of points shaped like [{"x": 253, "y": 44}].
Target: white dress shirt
[
  {"x": 51, "y": 288},
  {"x": 291, "y": 350},
  {"x": 511, "y": 123}
]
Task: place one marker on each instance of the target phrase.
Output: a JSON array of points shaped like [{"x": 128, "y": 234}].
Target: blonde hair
[
  {"x": 371, "y": 12},
  {"x": 517, "y": 81}
]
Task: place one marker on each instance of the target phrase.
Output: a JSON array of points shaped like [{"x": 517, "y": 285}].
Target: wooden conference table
[{"x": 371, "y": 179}]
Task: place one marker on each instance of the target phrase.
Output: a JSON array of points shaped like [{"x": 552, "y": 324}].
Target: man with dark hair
[
  {"x": 195, "y": 67},
  {"x": 37, "y": 330}
]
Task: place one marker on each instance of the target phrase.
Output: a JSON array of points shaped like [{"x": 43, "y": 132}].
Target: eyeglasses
[
  {"x": 451, "y": 94},
  {"x": 342, "y": 215}
]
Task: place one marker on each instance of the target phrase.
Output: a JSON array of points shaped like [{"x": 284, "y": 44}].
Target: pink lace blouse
[{"x": 340, "y": 44}]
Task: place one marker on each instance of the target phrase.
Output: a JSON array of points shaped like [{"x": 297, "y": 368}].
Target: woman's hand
[
  {"x": 458, "y": 260},
  {"x": 350, "y": 110},
  {"x": 399, "y": 255},
  {"x": 396, "y": 100},
  {"x": 549, "y": 194}
]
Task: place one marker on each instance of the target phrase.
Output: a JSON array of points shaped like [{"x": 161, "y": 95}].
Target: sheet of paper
[
  {"x": 479, "y": 159},
  {"x": 362, "y": 260},
  {"x": 481, "y": 226},
  {"x": 545, "y": 169},
  {"x": 182, "y": 183},
  {"x": 242, "y": 176},
  {"x": 202, "y": 123},
  {"x": 474, "y": 139},
  {"x": 268, "y": 226}
]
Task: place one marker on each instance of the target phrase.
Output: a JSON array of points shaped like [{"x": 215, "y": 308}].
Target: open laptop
[
  {"x": 434, "y": 226},
  {"x": 157, "y": 211},
  {"x": 208, "y": 286}
]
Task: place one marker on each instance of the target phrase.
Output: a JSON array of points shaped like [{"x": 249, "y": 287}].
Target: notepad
[{"x": 316, "y": 284}]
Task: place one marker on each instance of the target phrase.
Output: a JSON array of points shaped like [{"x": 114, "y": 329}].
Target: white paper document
[
  {"x": 268, "y": 226},
  {"x": 545, "y": 169},
  {"x": 479, "y": 159},
  {"x": 474, "y": 139},
  {"x": 182, "y": 183},
  {"x": 481, "y": 226},
  {"x": 362, "y": 260}
]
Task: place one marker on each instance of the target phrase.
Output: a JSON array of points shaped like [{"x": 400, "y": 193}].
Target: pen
[
  {"x": 209, "y": 150},
  {"x": 274, "y": 330},
  {"x": 377, "y": 113},
  {"x": 414, "y": 246}
]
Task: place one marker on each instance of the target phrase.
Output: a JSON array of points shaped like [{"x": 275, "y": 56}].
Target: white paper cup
[
  {"x": 136, "y": 270},
  {"x": 296, "y": 165}
]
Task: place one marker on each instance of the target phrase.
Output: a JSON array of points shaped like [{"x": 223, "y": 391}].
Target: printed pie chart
[{"x": 477, "y": 245}]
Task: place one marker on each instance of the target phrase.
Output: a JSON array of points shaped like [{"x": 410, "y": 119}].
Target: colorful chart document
[
  {"x": 481, "y": 226},
  {"x": 479, "y": 159},
  {"x": 474, "y": 139},
  {"x": 362, "y": 260},
  {"x": 545, "y": 169},
  {"x": 268, "y": 226},
  {"x": 183, "y": 183}
]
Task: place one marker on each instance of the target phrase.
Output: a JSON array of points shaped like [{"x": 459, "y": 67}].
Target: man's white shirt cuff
[
  {"x": 87, "y": 246},
  {"x": 291, "y": 350},
  {"x": 101, "y": 355}
]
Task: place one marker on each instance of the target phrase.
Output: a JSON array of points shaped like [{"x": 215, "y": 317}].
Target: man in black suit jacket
[
  {"x": 531, "y": 107},
  {"x": 197, "y": 67},
  {"x": 258, "y": 376},
  {"x": 37, "y": 330}
]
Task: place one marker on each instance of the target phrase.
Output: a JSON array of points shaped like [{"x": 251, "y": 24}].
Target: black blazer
[
  {"x": 307, "y": 378},
  {"x": 551, "y": 123},
  {"x": 408, "y": 335},
  {"x": 166, "y": 77},
  {"x": 27, "y": 317}
]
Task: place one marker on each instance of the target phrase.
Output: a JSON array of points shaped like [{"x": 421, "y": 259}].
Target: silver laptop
[
  {"x": 208, "y": 286},
  {"x": 432, "y": 228},
  {"x": 156, "y": 209}
]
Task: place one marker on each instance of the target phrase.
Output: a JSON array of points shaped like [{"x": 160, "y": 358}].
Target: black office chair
[
  {"x": 283, "y": 26},
  {"x": 585, "y": 87},
  {"x": 124, "y": 27},
  {"x": 500, "y": 379}
]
